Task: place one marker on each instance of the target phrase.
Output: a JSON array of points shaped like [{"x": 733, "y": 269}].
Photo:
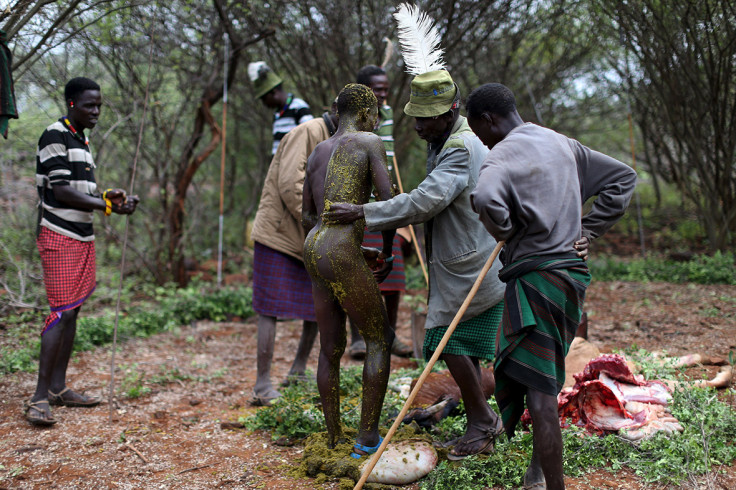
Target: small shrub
[
  {"x": 169, "y": 309},
  {"x": 702, "y": 269}
]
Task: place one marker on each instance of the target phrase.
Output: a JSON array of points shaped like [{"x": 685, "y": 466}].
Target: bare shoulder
[
  {"x": 321, "y": 153},
  {"x": 362, "y": 139},
  {"x": 369, "y": 138}
]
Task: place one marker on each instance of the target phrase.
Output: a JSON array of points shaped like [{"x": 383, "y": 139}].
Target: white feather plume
[
  {"x": 257, "y": 69},
  {"x": 419, "y": 40}
]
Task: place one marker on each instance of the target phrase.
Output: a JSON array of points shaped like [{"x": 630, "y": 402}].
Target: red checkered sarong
[
  {"x": 68, "y": 272},
  {"x": 395, "y": 281}
]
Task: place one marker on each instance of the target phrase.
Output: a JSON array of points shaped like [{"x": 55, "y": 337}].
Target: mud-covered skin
[{"x": 345, "y": 168}]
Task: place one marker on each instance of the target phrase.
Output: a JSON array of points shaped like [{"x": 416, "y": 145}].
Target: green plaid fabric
[
  {"x": 543, "y": 304},
  {"x": 475, "y": 337}
]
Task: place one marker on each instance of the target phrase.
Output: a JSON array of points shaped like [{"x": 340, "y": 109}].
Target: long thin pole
[
  {"x": 411, "y": 228},
  {"x": 222, "y": 167},
  {"x": 125, "y": 234},
  {"x": 428, "y": 368},
  {"x": 639, "y": 220}
]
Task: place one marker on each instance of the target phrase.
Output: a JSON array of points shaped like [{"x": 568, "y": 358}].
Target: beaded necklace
[
  {"x": 74, "y": 131},
  {"x": 286, "y": 106}
]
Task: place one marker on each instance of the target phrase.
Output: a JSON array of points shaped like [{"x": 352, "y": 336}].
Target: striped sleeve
[
  {"x": 52, "y": 155},
  {"x": 386, "y": 131}
]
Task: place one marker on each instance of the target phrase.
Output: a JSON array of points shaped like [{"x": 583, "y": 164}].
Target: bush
[
  {"x": 702, "y": 269},
  {"x": 170, "y": 308}
]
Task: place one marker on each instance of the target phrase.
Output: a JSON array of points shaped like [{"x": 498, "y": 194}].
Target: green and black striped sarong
[
  {"x": 475, "y": 337},
  {"x": 543, "y": 303}
]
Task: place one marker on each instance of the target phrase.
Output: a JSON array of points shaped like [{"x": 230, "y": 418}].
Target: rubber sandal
[
  {"x": 368, "y": 450},
  {"x": 293, "y": 379},
  {"x": 34, "y": 406},
  {"x": 445, "y": 444},
  {"x": 82, "y": 400},
  {"x": 399, "y": 348},
  {"x": 539, "y": 485},
  {"x": 357, "y": 350},
  {"x": 487, "y": 448},
  {"x": 261, "y": 401}
]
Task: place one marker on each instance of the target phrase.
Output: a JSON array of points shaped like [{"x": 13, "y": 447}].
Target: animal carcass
[{"x": 608, "y": 397}]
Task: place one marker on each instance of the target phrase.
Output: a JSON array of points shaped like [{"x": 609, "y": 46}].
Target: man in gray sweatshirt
[{"x": 530, "y": 193}]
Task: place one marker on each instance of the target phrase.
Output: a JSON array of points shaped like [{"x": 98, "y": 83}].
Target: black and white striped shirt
[
  {"x": 294, "y": 112},
  {"x": 63, "y": 158}
]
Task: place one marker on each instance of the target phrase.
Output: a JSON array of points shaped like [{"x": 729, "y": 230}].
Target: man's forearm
[{"x": 71, "y": 197}]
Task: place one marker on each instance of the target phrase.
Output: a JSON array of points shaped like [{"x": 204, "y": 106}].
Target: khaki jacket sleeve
[{"x": 294, "y": 150}]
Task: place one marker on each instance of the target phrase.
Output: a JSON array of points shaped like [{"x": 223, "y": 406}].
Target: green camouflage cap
[
  {"x": 263, "y": 78},
  {"x": 432, "y": 93}
]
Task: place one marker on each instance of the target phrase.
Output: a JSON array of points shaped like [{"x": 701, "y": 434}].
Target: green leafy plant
[
  {"x": 169, "y": 308},
  {"x": 132, "y": 383},
  {"x": 702, "y": 269},
  {"x": 297, "y": 413},
  {"x": 416, "y": 302}
]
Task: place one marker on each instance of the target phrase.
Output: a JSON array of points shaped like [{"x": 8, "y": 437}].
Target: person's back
[
  {"x": 546, "y": 190},
  {"x": 345, "y": 168},
  {"x": 552, "y": 176}
]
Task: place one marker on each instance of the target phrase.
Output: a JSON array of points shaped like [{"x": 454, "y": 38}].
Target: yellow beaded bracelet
[{"x": 108, "y": 207}]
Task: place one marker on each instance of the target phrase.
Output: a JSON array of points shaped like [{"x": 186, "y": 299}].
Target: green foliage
[
  {"x": 294, "y": 415},
  {"x": 169, "y": 308},
  {"x": 12, "y": 360},
  {"x": 702, "y": 269},
  {"x": 414, "y": 276},
  {"x": 649, "y": 366},
  {"x": 22, "y": 342},
  {"x": 297, "y": 413},
  {"x": 707, "y": 442},
  {"x": 503, "y": 468},
  {"x": 132, "y": 382},
  {"x": 218, "y": 305},
  {"x": 417, "y": 302}
]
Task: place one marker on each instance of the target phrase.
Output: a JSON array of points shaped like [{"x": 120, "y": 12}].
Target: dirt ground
[{"x": 172, "y": 437}]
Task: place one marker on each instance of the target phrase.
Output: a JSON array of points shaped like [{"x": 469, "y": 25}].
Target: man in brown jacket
[{"x": 281, "y": 285}]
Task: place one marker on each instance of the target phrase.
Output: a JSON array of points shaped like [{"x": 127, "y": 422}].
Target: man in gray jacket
[
  {"x": 530, "y": 194},
  {"x": 457, "y": 247}
]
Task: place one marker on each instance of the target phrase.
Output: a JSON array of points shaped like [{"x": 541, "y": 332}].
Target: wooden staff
[
  {"x": 411, "y": 228},
  {"x": 125, "y": 234},
  {"x": 428, "y": 367},
  {"x": 222, "y": 168}
]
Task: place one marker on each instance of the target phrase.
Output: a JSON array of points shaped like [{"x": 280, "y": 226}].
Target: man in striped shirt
[
  {"x": 289, "y": 111},
  {"x": 68, "y": 192}
]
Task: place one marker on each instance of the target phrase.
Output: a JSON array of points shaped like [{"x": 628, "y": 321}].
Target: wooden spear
[
  {"x": 428, "y": 368},
  {"x": 222, "y": 167},
  {"x": 125, "y": 234}
]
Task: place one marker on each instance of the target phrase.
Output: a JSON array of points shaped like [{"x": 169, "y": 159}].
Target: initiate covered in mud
[{"x": 345, "y": 168}]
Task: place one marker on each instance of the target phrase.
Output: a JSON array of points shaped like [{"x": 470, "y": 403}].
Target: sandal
[
  {"x": 357, "y": 350},
  {"x": 69, "y": 398},
  {"x": 41, "y": 418},
  {"x": 399, "y": 348},
  {"x": 488, "y": 434},
  {"x": 293, "y": 379},
  {"x": 368, "y": 450},
  {"x": 261, "y": 401},
  {"x": 539, "y": 485}
]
